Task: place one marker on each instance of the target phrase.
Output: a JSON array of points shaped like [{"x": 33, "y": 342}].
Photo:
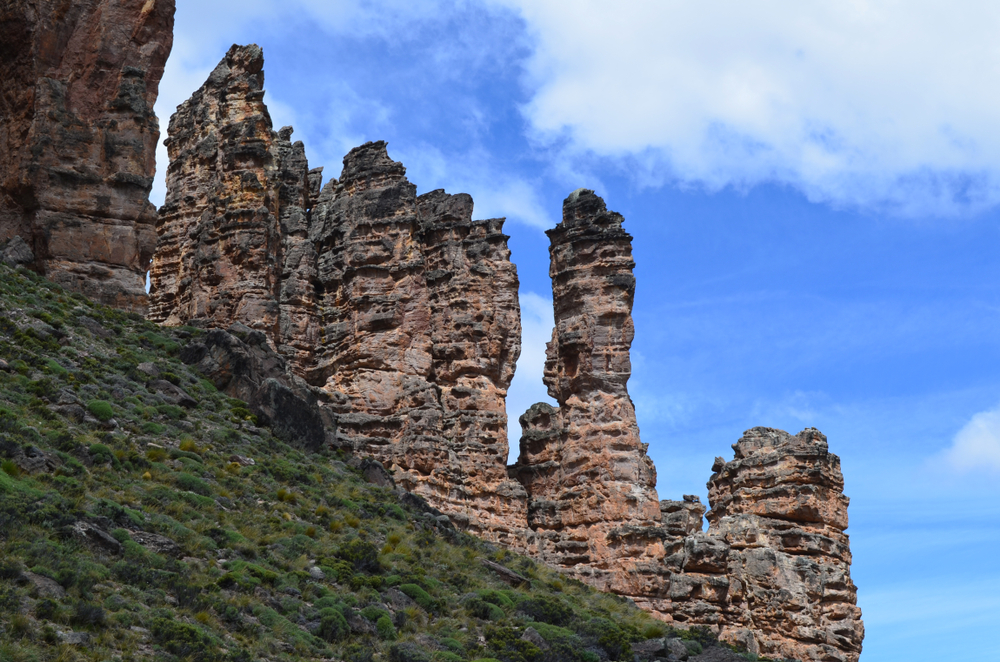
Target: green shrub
[
  {"x": 362, "y": 555},
  {"x": 100, "y": 409},
  {"x": 101, "y": 454},
  {"x": 419, "y": 595},
  {"x": 87, "y": 614},
  {"x": 385, "y": 628},
  {"x": 332, "y": 624},
  {"x": 184, "y": 640},
  {"x": 193, "y": 484},
  {"x": 546, "y": 610}
]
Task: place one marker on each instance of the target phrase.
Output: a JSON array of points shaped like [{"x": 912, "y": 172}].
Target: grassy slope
[{"x": 275, "y": 558}]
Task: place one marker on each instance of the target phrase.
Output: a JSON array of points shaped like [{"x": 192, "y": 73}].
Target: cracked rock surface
[{"x": 78, "y": 136}]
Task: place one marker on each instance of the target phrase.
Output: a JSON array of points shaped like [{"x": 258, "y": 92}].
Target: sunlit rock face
[
  {"x": 591, "y": 487},
  {"x": 398, "y": 315},
  {"x": 401, "y": 308},
  {"x": 78, "y": 136},
  {"x": 420, "y": 334},
  {"x": 771, "y": 573},
  {"x": 779, "y": 506}
]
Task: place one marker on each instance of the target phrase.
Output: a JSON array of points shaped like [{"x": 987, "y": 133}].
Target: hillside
[{"x": 144, "y": 514}]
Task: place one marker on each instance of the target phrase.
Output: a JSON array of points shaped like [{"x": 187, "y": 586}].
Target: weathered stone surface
[
  {"x": 421, "y": 330},
  {"x": 241, "y": 363},
  {"x": 154, "y": 542},
  {"x": 16, "y": 253},
  {"x": 218, "y": 253},
  {"x": 591, "y": 495},
  {"x": 779, "y": 506},
  {"x": 77, "y": 138}
]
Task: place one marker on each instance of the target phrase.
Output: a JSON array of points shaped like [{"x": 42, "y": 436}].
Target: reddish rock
[
  {"x": 592, "y": 500},
  {"x": 420, "y": 333},
  {"x": 218, "y": 255},
  {"x": 78, "y": 136},
  {"x": 779, "y": 505}
]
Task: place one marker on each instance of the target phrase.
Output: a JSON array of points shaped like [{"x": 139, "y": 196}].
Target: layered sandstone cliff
[
  {"x": 401, "y": 308},
  {"x": 780, "y": 508},
  {"x": 772, "y": 573},
  {"x": 420, "y": 333},
  {"x": 591, "y": 487},
  {"x": 78, "y": 81}
]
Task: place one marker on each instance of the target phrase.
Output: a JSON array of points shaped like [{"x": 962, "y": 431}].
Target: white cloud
[
  {"x": 527, "y": 387},
  {"x": 876, "y": 104},
  {"x": 976, "y": 447}
]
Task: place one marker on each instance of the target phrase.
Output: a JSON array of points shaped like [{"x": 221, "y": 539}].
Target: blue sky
[{"x": 813, "y": 189}]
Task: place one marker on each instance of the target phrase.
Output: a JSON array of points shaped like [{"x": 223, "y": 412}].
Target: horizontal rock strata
[
  {"x": 402, "y": 308},
  {"x": 771, "y": 574},
  {"x": 78, "y": 81},
  {"x": 591, "y": 487}
]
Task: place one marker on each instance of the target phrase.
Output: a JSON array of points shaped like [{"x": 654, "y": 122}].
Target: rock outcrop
[
  {"x": 402, "y": 308},
  {"x": 364, "y": 316},
  {"x": 420, "y": 334},
  {"x": 591, "y": 487},
  {"x": 771, "y": 574},
  {"x": 219, "y": 246},
  {"x": 78, "y": 81},
  {"x": 780, "y": 509},
  {"x": 241, "y": 364}
]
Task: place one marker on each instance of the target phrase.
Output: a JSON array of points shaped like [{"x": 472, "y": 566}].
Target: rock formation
[
  {"x": 401, "y": 307},
  {"x": 219, "y": 245},
  {"x": 591, "y": 487},
  {"x": 779, "y": 506},
  {"x": 78, "y": 81},
  {"x": 364, "y": 316},
  {"x": 772, "y": 573}
]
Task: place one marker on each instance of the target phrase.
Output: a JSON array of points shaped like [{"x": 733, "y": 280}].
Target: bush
[
  {"x": 193, "y": 484},
  {"x": 419, "y": 595},
  {"x": 332, "y": 624},
  {"x": 362, "y": 555},
  {"x": 407, "y": 653},
  {"x": 100, "y": 409},
  {"x": 87, "y": 614},
  {"x": 385, "y": 628},
  {"x": 101, "y": 454},
  {"x": 546, "y": 610},
  {"x": 184, "y": 640}
]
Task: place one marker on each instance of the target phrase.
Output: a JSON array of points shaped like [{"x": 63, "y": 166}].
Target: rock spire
[
  {"x": 591, "y": 487},
  {"x": 78, "y": 136}
]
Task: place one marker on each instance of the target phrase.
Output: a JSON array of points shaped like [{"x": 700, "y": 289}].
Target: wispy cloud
[
  {"x": 976, "y": 447},
  {"x": 875, "y": 104}
]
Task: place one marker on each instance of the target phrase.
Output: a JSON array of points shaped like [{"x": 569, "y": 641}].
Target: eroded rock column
[
  {"x": 420, "y": 333},
  {"x": 475, "y": 343},
  {"x": 218, "y": 258},
  {"x": 780, "y": 507},
  {"x": 78, "y": 136},
  {"x": 591, "y": 487}
]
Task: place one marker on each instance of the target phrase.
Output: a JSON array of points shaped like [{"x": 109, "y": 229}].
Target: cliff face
[
  {"x": 421, "y": 330},
  {"x": 366, "y": 316},
  {"x": 772, "y": 573},
  {"x": 77, "y": 141},
  {"x": 779, "y": 506},
  {"x": 219, "y": 246},
  {"x": 590, "y": 484},
  {"x": 401, "y": 308}
]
